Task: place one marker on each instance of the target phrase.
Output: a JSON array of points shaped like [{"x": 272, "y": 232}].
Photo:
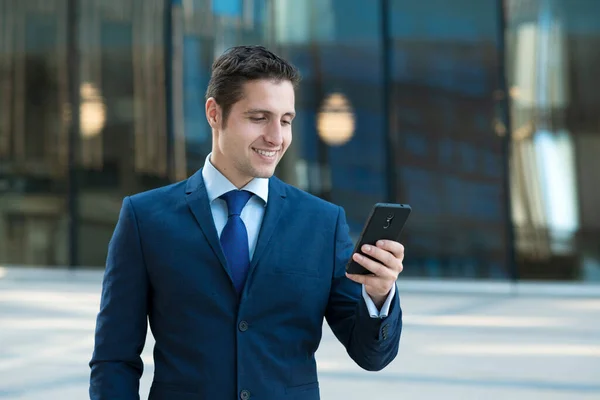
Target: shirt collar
[{"x": 217, "y": 184}]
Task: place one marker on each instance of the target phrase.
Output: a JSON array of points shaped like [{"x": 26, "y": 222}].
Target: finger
[
  {"x": 384, "y": 256},
  {"x": 397, "y": 249},
  {"x": 373, "y": 266}
]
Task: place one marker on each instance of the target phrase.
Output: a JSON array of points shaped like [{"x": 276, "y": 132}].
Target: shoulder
[
  {"x": 160, "y": 193},
  {"x": 307, "y": 202},
  {"x": 160, "y": 199}
]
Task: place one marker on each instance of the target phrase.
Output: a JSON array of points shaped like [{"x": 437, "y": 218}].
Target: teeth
[{"x": 266, "y": 153}]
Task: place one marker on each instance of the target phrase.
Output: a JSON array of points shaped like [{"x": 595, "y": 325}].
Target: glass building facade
[{"x": 480, "y": 114}]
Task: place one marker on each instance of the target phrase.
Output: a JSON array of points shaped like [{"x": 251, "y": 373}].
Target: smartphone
[{"x": 385, "y": 222}]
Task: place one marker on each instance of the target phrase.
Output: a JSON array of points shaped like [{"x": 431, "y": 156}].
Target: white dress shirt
[{"x": 252, "y": 214}]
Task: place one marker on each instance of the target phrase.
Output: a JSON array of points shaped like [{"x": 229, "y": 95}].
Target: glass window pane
[
  {"x": 33, "y": 133},
  {"x": 552, "y": 67},
  {"x": 338, "y": 150},
  {"x": 448, "y": 155},
  {"x": 124, "y": 145}
]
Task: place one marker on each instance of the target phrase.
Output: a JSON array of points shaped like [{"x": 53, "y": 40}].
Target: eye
[
  {"x": 258, "y": 119},
  {"x": 286, "y": 122}
]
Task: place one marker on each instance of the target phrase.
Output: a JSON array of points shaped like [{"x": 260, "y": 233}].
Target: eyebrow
[{"x": 261, "y": 111}]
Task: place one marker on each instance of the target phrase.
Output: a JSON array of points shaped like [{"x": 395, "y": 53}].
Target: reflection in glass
[
  {"x": 33, "y": 132},
  {"x": 448, "y": 153},
  {"x": 321, "y": 38},
  {"x": 93, "y": 111},
  {"x": 143, "y": 124},
  {"x": 550, "y": 105},
  {"x": 335, "y": 122},
  {"x": 124, "y": 146}
]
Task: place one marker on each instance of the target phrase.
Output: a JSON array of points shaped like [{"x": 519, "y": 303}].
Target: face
[{"x": 257, "y": 133}]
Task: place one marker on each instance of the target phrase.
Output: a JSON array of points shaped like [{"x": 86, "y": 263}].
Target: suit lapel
[
  {"x": 197, "y": 200},
  {"x": 276, "y": 206}
]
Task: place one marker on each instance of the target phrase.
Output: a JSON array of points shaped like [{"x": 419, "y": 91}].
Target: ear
[{"x": 213, "y": 113}]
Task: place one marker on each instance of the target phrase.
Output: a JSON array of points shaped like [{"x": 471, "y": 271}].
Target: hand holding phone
[{"x": 385, "y": 222}]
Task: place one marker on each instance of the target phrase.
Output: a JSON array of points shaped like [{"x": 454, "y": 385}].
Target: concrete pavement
[{"x": 456, "y": 344}]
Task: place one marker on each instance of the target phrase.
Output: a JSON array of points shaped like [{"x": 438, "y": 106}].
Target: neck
[{"x": 230, "y": 173}]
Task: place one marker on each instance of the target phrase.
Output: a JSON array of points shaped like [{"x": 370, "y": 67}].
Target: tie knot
[{"x": 236, "y": 200}]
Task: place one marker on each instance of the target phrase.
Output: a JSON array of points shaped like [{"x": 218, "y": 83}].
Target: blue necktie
[{"x": 234, "y": 237}]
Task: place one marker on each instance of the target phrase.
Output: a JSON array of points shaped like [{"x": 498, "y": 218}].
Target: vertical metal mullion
[
  {"x": 506, "y": 140},
  {"x": 168, "y": 56},
  {"x": 323, "y": 166},
  {"x": 387, "y": 82},
  {"x": 74, "y": 134}
]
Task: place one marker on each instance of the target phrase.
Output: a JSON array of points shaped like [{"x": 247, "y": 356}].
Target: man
[{"x": 234, "y": 269}]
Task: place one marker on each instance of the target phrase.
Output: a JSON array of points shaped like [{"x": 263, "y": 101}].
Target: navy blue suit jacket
[{"x": 165, "y": 265}]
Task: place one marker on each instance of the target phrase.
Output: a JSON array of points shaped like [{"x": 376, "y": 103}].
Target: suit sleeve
[
  {"x": 121, "y": 326},
  {"x": 371, "y": 342}
]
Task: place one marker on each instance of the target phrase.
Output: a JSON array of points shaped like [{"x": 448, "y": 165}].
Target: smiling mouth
[{"x": 266, "y": 153}]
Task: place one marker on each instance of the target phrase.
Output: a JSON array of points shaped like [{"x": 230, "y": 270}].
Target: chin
[
  {"x": 263, "y": 169},
  {"x": 265, "y": 173}
]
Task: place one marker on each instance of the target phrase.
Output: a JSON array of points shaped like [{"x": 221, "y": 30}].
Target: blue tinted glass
[
  {"x": 231, "y": 8},
  {"x": 195, "y": 79},
  {"x": 444, "y": 66}
]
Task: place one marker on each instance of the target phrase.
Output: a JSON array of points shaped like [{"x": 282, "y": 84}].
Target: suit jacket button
[
  {"x": 244, "y": 394},
  {"x": 243, "y": 326}
]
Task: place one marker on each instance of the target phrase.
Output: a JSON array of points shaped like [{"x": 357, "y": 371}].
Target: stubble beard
[{"x": 250, "y": 171}]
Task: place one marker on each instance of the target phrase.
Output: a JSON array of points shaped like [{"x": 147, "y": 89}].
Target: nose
[{"x": 274, "y": 134}]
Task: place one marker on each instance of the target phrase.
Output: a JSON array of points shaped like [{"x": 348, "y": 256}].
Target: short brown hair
[{"x": 241, "y": 64}]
